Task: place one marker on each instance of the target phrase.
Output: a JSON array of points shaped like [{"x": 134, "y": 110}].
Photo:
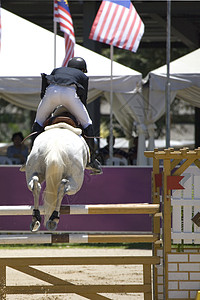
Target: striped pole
[
  {"x": 99, "y": 209},
  {"x": 73, "y": 238}
]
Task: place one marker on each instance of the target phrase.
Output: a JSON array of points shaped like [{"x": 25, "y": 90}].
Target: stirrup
[
  {"x": 95, "y": 167},
  {"x": 23, "y": 168}
]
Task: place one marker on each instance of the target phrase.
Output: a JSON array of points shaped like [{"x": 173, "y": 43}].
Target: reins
[{"x": 28, "y": 136}]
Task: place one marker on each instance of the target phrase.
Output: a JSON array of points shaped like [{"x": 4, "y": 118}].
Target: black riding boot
[
  {"x": 36, "y": 129},
  {"x": 94, "y": 164}
]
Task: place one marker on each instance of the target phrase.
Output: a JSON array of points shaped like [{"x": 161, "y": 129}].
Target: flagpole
[
  {"x": 168, "y": 123},
  {"x": 168, "y": 85},
  {"x": 55, "y": 33},
  {"x": 111, "y": 107}
]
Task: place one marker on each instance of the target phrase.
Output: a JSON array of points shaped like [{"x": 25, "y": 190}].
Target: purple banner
[{"x": 116, "y": 185}]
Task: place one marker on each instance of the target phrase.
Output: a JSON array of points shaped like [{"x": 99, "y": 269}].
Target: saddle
[
  {"x": 65, "y": 117},
  {"x": 55, "y": 120}
]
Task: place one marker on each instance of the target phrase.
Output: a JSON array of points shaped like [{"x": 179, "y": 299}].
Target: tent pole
[
  {"x": 111, "y": 107},
  {"x": 168, "y": 86}
]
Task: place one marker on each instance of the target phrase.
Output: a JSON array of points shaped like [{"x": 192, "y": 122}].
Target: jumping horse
[{"x": 59, "y": 157}]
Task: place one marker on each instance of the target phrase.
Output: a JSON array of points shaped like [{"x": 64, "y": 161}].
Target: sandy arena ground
[{"x": 79, "y": 274}]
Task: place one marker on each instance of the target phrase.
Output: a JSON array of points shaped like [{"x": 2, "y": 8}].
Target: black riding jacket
[{"x": 67, "y": 76}]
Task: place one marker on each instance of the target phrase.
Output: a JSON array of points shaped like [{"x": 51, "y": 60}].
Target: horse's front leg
[
  {"x": 54, "y": 219},
  {"x": 35, "y": 186}
]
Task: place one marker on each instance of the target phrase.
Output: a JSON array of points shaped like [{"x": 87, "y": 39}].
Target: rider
[{"x": 68, "y": 86}]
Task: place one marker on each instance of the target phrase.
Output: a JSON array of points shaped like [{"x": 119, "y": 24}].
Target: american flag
[
  {"x": 117, "y": 23},
  {"x": 62, "y": 15}
]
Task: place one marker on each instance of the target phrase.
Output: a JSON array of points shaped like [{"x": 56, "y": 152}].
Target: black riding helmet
[{"x": 77, "y": 63}]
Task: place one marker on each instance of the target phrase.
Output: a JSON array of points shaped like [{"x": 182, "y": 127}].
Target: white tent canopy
[
  {"x": 28, "y": 50},
  {"x": 185, "y": 85},
  {"x": 185, "y": 78}
]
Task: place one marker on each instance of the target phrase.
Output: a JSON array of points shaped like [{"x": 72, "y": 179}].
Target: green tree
[{"x": 146, "y": 59}]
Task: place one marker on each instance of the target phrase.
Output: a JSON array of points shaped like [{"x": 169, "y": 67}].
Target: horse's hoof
[
  {"x": 51, "y": 225},
  {"x": 35, "y": 226}
]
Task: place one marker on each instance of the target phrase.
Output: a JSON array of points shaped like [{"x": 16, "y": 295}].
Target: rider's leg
[
  {"x": 78, "y": 109},
  {"x": 94, "y": 164},
  {"x": 62, "y": 95},
  {"x": 48, "y": 103},
  {"x": 74, "y": 105},
  {"x": 36, "y": 129}
]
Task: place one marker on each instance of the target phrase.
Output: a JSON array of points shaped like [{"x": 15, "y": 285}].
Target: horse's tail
[{"x": 54, "y": 173}]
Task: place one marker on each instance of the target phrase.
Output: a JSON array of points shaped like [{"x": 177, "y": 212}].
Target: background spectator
[
  {"x": 103, "y": 154},
  {"x": 18, "y": 150},
  {"x": 132, "y": 152}
]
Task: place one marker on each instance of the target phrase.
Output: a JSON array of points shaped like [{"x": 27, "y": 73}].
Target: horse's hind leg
[
  {"x": 35, "y": 187},
  {"x": 54, "y": 219}
]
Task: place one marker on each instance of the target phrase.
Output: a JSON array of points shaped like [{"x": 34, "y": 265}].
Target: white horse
[{"x": 59, "y": 157}]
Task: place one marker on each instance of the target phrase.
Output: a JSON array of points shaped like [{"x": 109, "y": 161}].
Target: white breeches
[{"x": 62, "y": 95}]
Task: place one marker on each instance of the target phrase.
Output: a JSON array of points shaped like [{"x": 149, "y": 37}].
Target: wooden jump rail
[
  {"x": 48, "y": 238},
  {"x": 73, "y": 238},
  {"x": 60, "y": 286},
  {"x": 141, "y": 208}
]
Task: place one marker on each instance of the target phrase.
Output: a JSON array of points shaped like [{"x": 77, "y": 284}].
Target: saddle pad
[{"x": 77, "y": 131}]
